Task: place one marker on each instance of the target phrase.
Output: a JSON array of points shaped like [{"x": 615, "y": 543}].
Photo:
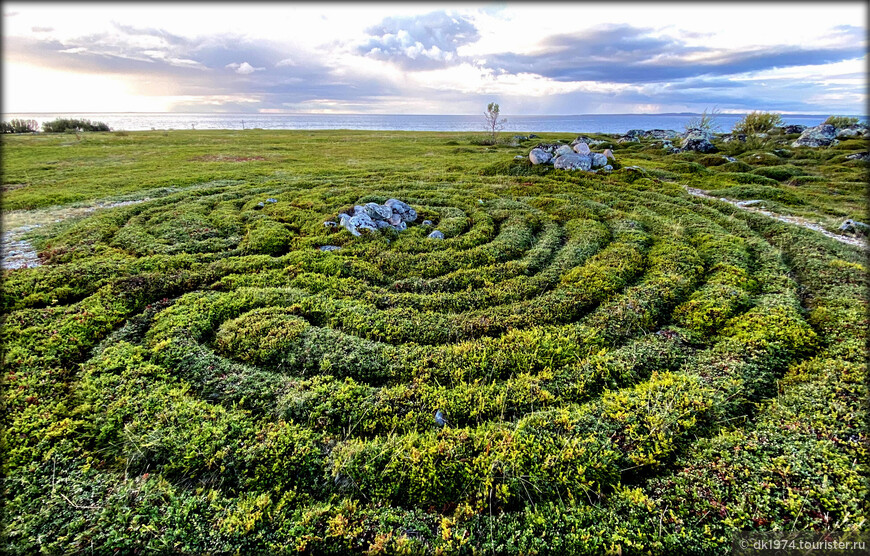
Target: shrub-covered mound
[{"x": 622, "y": 367}]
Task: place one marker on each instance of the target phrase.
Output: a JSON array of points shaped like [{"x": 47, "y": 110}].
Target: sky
[{"x": 419, "y": 58}]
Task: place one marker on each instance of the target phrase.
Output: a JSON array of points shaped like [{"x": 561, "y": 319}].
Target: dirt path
[
  {"x": 18, "y": 252},
  {"x": 796, "y": 220}
]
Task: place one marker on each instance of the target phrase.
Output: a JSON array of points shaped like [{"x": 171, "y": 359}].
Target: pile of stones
[
  {"x": 372, "y": 217},
  {"x": 577, "y": 156}
]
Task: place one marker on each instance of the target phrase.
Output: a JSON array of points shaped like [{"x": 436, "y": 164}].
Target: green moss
[
  {"x": 779, "y": 173},
  {"x": 623, "y": 367}
]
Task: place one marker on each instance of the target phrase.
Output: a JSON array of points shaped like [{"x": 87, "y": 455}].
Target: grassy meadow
[{"x": 624, "y": 367}]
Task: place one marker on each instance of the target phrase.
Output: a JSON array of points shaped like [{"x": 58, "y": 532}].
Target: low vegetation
[
  {"x": 841, "y": 121},
  {"x": 623, "y": 367}
]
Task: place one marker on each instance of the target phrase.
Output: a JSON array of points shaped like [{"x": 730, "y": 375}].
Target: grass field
[{"x": 624, "y": 367}]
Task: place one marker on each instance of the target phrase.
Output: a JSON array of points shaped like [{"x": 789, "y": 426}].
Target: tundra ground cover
[{"x": 623, "y": 366}]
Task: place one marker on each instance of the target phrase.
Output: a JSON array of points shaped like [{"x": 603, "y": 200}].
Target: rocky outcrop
[
  {"x": 660, "y": 134},
  {"x": 855, "y": 130},
  {"x": 824, "y": 135},
  {"x": 564, "y": 157}
]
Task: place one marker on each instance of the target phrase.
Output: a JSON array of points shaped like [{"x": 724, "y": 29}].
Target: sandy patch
[{"x": 18, "y": 252}]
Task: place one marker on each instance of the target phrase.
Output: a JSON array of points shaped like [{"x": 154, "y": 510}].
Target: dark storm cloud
[
  {"x": 626, "y": 54},
  {"x": 421, "y": 42}
]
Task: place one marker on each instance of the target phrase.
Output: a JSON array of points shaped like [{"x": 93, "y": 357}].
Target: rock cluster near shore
[{"x": 577, "y": 156}]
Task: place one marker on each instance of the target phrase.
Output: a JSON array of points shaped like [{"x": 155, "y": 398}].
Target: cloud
[
  {"x": 285, "y": 62},
  {"x": 37, "y": 29},
  {"x": 626, "y": 54},
  {"x": 419, "y": 43},
  {"x": 244, "y": 68}
]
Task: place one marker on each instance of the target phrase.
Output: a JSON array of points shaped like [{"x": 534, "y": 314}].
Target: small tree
[{"x": 493, "y": 123}]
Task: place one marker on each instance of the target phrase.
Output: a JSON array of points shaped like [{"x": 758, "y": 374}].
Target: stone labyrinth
[{"x": 603, "y": 345}]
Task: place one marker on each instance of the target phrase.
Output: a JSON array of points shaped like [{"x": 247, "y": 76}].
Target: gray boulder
[
  {"x": 786, "y": 129},
  {"x": 563, "y": 150},
  {"x": 397, "y": 205},
  {"x": 547, "y": 147},
  {"x": 395, "y": 218},
  {"x": 330, "y": 224},
  {"x": 361, "y": 222},
  {"x": 426, "y": 223},
  {"x": 698, "y": 144},
  {"x": 401, "y": 227},
  {"x": 856, "y": 130},
  {"x": 532, "y": 136},
  {"x": 634, "y": 133},
  {"x": 378, "y": 212},
  {"x": 819, "y": 136},
  {"x": 329, "y": 247},
  {"x": 698, "y": 133},
  {"x": 585, "y": 139},
  {"x": 598, "y": 160},
  {"x": 520, "y": 138},
  {"x": 626, "y": 139},
  {"x": 539, "y": 156},
  {"x": 573, "y": 162},
  {"x": 855, "y": 227},
  {"x": 858, "y": 156},
  {"x": 607, "y": 168},
  {"x": 582, "y": 148},
  {"x": 436, "y": 235},
  {"x": 609, "y": 154},
  {"x": 734, "y": 137}
]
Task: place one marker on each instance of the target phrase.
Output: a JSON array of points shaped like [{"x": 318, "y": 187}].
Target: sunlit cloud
[{"x": 541, "y": 59}]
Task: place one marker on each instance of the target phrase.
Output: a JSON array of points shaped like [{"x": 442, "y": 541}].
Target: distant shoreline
[{"x": 589, "y": 123}]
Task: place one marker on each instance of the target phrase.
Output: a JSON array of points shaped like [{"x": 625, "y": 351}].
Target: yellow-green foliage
[
  {"x": 623, "y": 368},
  {"x": 758, "y": 122}
]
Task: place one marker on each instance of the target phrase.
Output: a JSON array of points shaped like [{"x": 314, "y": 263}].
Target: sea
[{"x": 585, "y": 123}]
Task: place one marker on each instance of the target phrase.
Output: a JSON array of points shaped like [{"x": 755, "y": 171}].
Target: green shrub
[
  {"x": 841, "y": 121},
  {"x": 757, "y": 122},
  {"x": 19, "y": 126},
  {"x": 60, "y": 125}
]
